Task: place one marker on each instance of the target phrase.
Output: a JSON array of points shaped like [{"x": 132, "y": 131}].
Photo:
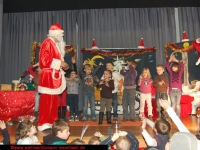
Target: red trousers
[{"x": 48, "y": 111}]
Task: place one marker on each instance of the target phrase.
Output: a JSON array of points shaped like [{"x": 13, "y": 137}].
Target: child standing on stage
[
  {"x": 107, "y": 86},
  {"x": 128, "y": 98},
  {"x": 87, "y": 76},
  {"x": 118, "y": 81},
  {"x": 161, "y": 84},
  {"x": 72, "y": 95},
  {"x": 145, "y": 83},
  {"x": 175, "y": 86},
  {"x": 35, "y": 78},
  {"x": 25, "y": 133}
]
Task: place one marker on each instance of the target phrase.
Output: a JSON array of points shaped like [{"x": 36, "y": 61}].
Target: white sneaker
[
  {"x": 71, "y": 118},
  {"x": 76, "y": 118}
]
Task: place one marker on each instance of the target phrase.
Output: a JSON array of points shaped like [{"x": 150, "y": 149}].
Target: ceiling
[{"x": 12, "y": 6}]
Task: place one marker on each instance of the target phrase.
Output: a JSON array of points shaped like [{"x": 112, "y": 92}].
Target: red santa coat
[{"x": 52, "y": 80}]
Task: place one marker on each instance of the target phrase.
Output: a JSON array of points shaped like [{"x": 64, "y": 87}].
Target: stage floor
[{"x": 191, "y": 123}]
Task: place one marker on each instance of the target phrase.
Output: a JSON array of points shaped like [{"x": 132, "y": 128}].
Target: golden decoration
[
  {"x": 34, "y": 45},
  {"x": 186, "y": 48}
]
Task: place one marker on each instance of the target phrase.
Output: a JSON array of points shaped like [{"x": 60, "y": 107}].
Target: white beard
[{"x": 61, "y": 43}]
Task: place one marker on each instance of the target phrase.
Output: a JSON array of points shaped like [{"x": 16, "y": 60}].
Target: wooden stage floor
[{"x": 191, "y": 123}]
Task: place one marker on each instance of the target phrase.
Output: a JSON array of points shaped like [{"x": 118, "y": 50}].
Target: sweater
[
  {"x": 159, "y": 141},
  {"x": 28, "y": 140},
  {"x": 161, "y": 88},
  {"x": 72, "y": 87},
  {"x": 145, "y": 86},
  {"x": 106, "y": 92},
  {"x": 175, "y": 78},
  {"x": 88, "y": 79},
  {"x": 6, "y": 137},
  {"x": 52, "y": 139},
  {"x": 129, "y": 77}
]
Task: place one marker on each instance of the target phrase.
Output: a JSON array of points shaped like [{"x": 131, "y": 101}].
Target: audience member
[
  {"x": 6, "y": 136},
  {"x": 60, "y": 133},
  {"x": 25, "y": 133}
]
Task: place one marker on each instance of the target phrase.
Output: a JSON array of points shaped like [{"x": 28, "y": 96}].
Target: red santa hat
[
  {"x": 56, "y": 29},
  {"x": 185, "y": 38},
  {"x": 94, "y": 45},
  {"x": 141, "y": 43}
]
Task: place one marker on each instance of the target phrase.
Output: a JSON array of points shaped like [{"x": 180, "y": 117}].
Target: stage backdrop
[
  {"x": 145, "y": 58},
  {"x": 186, "y": 52}
]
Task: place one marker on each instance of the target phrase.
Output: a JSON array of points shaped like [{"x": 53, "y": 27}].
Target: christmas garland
[
  {"x": 125, "y": 52},
  {"x": 176, "y": 48},
  {"x": 34, "y": 45}
]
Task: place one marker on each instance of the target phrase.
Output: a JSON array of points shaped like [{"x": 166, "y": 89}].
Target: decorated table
[{"x": 14, "y": 104}]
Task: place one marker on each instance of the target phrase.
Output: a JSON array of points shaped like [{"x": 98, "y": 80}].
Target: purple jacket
[
  {"x": 129, "y": 76},
  {"x": 175, "y": 80}
]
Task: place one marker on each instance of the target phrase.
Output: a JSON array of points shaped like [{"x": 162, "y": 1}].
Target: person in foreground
[
  {"x": 123, "y": 141},
  {"x": 161, "y": 127},
  {"x": 6, "y": 136},
  {"x": 52, "y": 81},
  {"x": 182, "y": 140},
  {"x": 60, "y": 133},
  {"x": 25, "y": 134}
]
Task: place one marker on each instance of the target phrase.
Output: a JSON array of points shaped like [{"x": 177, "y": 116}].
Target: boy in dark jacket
[{"x": 60, "y": 133}]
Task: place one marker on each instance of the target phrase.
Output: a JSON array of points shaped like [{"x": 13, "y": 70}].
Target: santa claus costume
[{"x": 52, "y": 81}]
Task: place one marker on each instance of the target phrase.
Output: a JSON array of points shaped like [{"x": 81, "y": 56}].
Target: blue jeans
[
  {"x": 175, "y": 97},
  {"x": 73, "y": 103},
  {"x": 114, "y": 104},
  {"x": 37, "y": 101},
  {"x": 89, "y": 95}
]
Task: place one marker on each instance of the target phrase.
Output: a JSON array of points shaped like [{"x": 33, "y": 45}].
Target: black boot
[
  {"x": 63, "y": 113},
  {"x": 101, "y": 117},
  {"x": 108, "y": 117},
  {"x": 59, "y": 112},
  {"x": 36, "y": 116}
]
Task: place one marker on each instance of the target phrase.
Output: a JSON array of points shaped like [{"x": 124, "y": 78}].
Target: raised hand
[
  {"x": 73, "y": 60},
  {"x": 98, "y": 134},
  {"x": 85, "y": 62},
  {"x": 164, "y": 103},
  {"x": 2, "y": 125}
]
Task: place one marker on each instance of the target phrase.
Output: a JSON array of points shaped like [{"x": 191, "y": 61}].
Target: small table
[{"x": 14, "y": 104}]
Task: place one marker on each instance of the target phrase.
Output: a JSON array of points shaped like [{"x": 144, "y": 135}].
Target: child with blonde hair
[
  {"x": 25, "y": 133},
  {"x": 145, "y": 83}
]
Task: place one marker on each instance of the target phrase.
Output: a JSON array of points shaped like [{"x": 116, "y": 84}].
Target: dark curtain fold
[
  {"x": 1, "y": 24},
  {"x": 123, "y": 28},
  {"x": 21, "y": 29},
  {"x": 189, "y": 21}
]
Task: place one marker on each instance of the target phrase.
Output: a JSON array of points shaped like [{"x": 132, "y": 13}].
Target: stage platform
[{"x": 191, "y": 123}]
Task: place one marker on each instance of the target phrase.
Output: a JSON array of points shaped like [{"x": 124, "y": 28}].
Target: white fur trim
[
  {"x": 184, "y": 40},
  {"x": 59, "y": 90},
  {"x": 94, "y": 47},
  {"x": 55, "y": 64},
  {"x": 197, "y": 40},
  {"x": 140, "y": 46},
  {"x": 44, "y": 126},
  {"x": 56, "y": 32}
]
